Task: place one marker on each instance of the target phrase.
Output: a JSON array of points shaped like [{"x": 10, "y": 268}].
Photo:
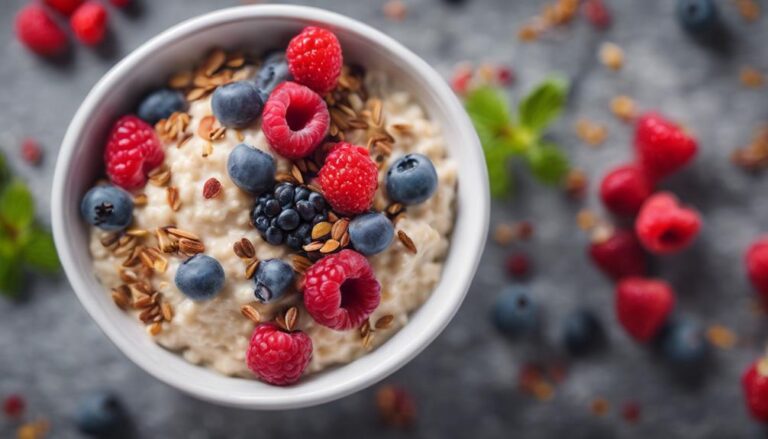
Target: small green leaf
[
  {"x": 17, "y": 208},
  {"x": 498, "y": 170},
  {"x": 5, "y": 173},
  {"x": 488, "y": 109},
  {"x": 544, "y": 104},
  {"x": 548, "y": 163},
  {"x": 10, "y": 275},
  {"x": 39, "y": 252}
]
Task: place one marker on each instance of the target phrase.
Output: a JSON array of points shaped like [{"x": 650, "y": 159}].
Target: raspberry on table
[
  {"x": 278, "y": 357},
  {"x": 643, "y": 306},
  {"x": 295, "y": 120},
  {"x": 754, "y": 383},
  {"x": 39, "y": 32},
  {"x": 349, "y": 178},
  {"x": 133, "y": 150},
  {"x": 315, "y": 59},
  {"x": 664, "y": 227},
  {"x": 31, "y": 151},
  {"x": 756, "y": 260},
  {"x": 620, "y": 255},
  {"x": 662, "y": 147},
  {"x": 341, "y": 291},
  {"x": 66, "y": 7},
  {"x": 89, "y": 22},
  {"x": 624, "y": 189},
  {"x": 518, "y": 265}
]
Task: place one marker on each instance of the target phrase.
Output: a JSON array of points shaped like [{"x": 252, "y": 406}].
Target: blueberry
[
  {"x": 514, "y": 312},
  {"x": 582, "y": 332},
  {"x": 261, "y": 223},
  {"x": 306, "y": 210},
  {"x": 107, "y": 207},
  {"x": 100, "y": 414},
  {"x": 317, "y": 200},
  {"x": 303, "y": 231},
  {"x": 273, "y": 277},
  {"x": 273, "y": 72},
  {"x": 200, "y": 277},
  {"x": 251, "y": 169},
  {"x": 319, "y": 218},
  {"x": 288, "y": 219},
  {"x": 697, "y": 16},
  {"x": 284, "y": 194},
  {"x": 371, "y": 233},
  {"x": 272, "y": 208},
  {"x": 160, "y": 104},
  {"x": 682, "y": 342},
  {"x": 302, "y": 194},
  {"x": 274, "y": 235},
  {"x": 412, "y": 179},
  {"x": 237, "y": 105},
  {"x": 293, "y": 241}
]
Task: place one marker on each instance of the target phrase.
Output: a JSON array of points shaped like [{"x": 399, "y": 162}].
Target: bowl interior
[{"x": 256, "y": 29}]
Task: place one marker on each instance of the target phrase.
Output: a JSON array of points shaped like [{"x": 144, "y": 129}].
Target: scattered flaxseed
[
  {"x": 122, "y": 297},
  {"x": 396, "y": 407},
  {"x": 181, "y": 80},
  {"x": 624, "y": 108},
  {"x": 748, "y": 9},
  {"x": 586, "y": 219},
  {"x": 330, "y": 246},
  {"x": 172, "y": 196},
  {"x": 599, "y": 406},
  {"x": 250, "y": 268},
  {"x": 167, "y": 311},
  {"x": 576, "y": 184},
  {"x": 313, "y": 246},
  {"x": 321, "y": 230},
  {"x": 207, "y": 149},
  {"x": 33, "y": 430},
  {"x": 160, "y": 176},
  {"x": 721, "y": 337},
  {"x": 300, "y": 263},
  {"x": 140, "y": 200},
  {"x": 251, "y": 313},
  {"x": 291, "y": 318},
  {"x": 751, "y": 77},
  {"x": 339, "y": 228},
  {"x": 395, "y": 10},
  {"x": 611, "y": 56},
  {"x": 155, "y": 328},
  {"x": 755, "y": 155},
  {"x": 191, "y": 247},
  {"x": 384, "y": 322},
  {"x": 179, "y": 233},
  {"x": 591, "y": 133},
  {"x": 406, "y": 241},
  {"x": 504, "y": 234},
  {"x": 244, "y": 249}
]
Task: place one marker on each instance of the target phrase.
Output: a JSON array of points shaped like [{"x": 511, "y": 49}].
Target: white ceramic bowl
[{"x": 257, "y": 28}]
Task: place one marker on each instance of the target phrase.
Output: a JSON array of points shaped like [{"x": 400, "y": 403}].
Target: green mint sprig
[
  {"x": 24, "y": 244},
  {"x": 504, "y": 135}
]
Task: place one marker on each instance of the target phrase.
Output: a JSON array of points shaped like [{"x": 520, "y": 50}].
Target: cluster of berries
[{"x": 39, "y": 31}]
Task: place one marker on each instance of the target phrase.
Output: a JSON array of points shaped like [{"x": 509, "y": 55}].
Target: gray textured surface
[{"x": 465, "y": 383}]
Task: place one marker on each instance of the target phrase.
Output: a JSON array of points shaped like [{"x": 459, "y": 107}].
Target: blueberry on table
[
  {"x": 582, "y": 332},
  {"x": 200, "y": 277},
  {"x": 273, "y": 72},
  {"x": 371, "y": 233},
  {"x": 412, "y": 179},
  {"x": 100, "y": 415},
  {"x": 515, "y": 313},
  {"x": 160, "y": 104},
  {"x": 683, "y": 342},
  {"x": 273, "y": 277},
  {"x": 697, "y": 15},
  {"x": 251, "y": 169},
  {"x": 237, "y": 105},
  {"x": 107, "y": 207}
]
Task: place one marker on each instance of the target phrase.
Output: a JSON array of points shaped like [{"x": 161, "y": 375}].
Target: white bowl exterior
[{"x": 80, "y": 163}]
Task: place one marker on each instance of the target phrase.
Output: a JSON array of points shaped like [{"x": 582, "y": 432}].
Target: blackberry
[{"x": 287, "y": 214}]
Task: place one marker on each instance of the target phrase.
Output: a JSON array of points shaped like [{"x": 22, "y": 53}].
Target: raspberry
[
  {"x": 340, "y": 290},
  {"x": 13, "y": 406},
  {"x": 31, "y": 152},
  {"x": 462, "y": 77},
  {"x": 662, "y": 147},
  {"x": 89, "y": 22},
  {"x": 643, "y": 305},
  {"x": 624, "y": 189},
  {"x": 295, "y": 120},
  {"x": 37, "y": 30},
  {"x": 757, "y": 265},
  {"x": 278, "y": 357},
  {"x": 315, "y": 59},
  {"x": 664, "y": 227},
  {"x": 66, "y": 7},
  {"x": 518, "y": 265},
  {"x": 620, "y": 256},
  {"x": 349, "y": 178},
  {"x": 597, "y": 13},
  {"x": 754, "y": 383},
  {"x": 132, "y": 151}
]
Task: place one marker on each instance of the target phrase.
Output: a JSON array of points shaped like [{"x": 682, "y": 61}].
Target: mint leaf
[
  {"x": 548, "y": 163},
  {"x": 39, "y": 252},
  {"x": 17, "y": 209},
  {"x": 10, "y": 275},
  {"x": 496, "y": 155},
  {"x": 488, "y": 109},
  {"x": 544, "y": 104},
  {"x": 5, "y": 172}
]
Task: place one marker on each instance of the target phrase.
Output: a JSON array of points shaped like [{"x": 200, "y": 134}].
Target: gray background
[{"x": 465, "y": 383}]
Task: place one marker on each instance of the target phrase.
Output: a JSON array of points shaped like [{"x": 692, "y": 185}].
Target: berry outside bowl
[{"x": 257, "y": 28}]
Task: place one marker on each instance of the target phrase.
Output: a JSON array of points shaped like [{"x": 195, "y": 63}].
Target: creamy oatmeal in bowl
[{"x": 271, "y": 214}]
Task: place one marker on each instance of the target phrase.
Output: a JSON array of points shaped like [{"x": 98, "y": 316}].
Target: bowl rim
[{"x": 64, "y": 243}]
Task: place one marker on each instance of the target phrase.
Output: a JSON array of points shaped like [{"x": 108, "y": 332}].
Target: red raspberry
[
  {"x": 597, "y": 13},
  {"x": 340, "y": 290},
  {"x": 66, "y": 7},
  {"x": 518, "y": 265},
  {"x": 31, "y": 152},
  {"x": 13, "y": 406},
  {"x": 662, "y": 147},
  {"x": 349, "y": 178},
  {"x": 620, "y": 256},
  {"x": 278, "y": 357},
  {"x": 36, "y": 29},
  {"x": 295, "y": 120},
  {"x": 663, "y": 226},
  {"x": 132, "y": 151},
  {"x": 461, "y": 79},
  {"x": 643, "y": 305},
  {"x": 89, "y": 23},
  {"x": 315, "y": 59},
  {"x": 757, "y": 265},
  {"x": 624, "y": 189},
  {"x": 754, "y": 382},
  {"x": 120, "y": 3}
]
